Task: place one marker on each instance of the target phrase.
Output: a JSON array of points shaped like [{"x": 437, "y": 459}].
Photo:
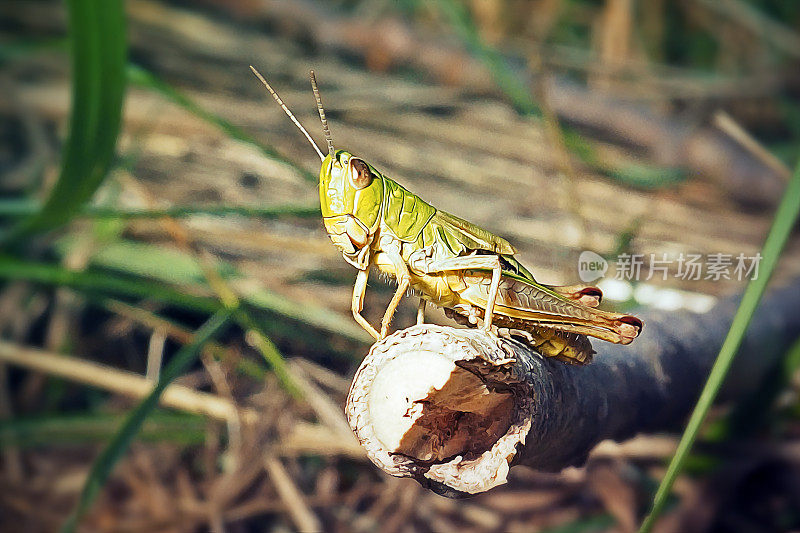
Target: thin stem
[{"x": 782, "y": 225}]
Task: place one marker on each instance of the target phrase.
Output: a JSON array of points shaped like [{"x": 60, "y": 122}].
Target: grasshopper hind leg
[
  {"x": 402, "y": 287},
  {"x": 489, "y": 262},
  {"x": 399, "y": 271},
  {"x": 587, "y": 295},
  {"x": 567, "y": 347},
  {"x": 493, "y": 288}
]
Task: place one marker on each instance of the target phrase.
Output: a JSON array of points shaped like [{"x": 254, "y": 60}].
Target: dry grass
[{"x": 73, "y": 358}]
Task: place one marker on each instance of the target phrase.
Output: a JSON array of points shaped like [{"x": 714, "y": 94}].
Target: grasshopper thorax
[{"x": 351, "y": 196}]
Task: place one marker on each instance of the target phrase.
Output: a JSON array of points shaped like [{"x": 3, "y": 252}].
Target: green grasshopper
[{"x": 472, "y": 273}]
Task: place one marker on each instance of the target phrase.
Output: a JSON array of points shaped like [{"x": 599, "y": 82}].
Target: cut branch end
[{"x": 445, "y": 406}]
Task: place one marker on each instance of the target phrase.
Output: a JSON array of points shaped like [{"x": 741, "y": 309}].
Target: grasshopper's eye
[{"x": 360, "y": 175}]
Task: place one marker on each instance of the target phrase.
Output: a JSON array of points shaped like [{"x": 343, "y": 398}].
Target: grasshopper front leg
[
  {"x": 474, "y": 262},
  {"x": 403, "y": 282},
  {"x": 357, "y": 305}
]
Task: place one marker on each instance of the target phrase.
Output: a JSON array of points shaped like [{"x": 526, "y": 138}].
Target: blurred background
[{"x": 147, "y": 181}]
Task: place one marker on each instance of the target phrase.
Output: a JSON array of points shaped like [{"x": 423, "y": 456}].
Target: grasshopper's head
[
  {"x": 350, "y": 190},
  {"x": 350, "y": 195}
]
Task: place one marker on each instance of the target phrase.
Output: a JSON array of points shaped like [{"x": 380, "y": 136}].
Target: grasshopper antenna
[
  {"x": 321, "y": 113},
  {"x": 289, "y": 113}
]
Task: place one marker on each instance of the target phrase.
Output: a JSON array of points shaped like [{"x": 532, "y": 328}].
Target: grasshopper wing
[
  {"x": 463, "y": 237},
  {"x": 470, "y": 237},
  {"x": 523, "y": 305}
]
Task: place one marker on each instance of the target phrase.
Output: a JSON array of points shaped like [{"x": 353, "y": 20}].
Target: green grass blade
[
  {"x": 173, "y": 266},
  {"x": 98, "y": 50},
  {"x": 103, "y": 283},
  {"x": 267, "y": 213},
  {"x": 19, "y": 207},
  {"x": 460, "y": 20},
  {"x": 782, "y": 225},
  {"x": 111, "y": 284},
  {"x": 591, "y": 524},
  {"x": 26, "y": 47},
  {"x": 182, "y": 428},
  {"x": 150, "y": 320},
  {"x": 147, "y": 79},
  {"x": 147, "y": 260},
  {"x": 104, "y": 464},
  {"x": 642, "y": 176},
  {"x": 259, "y": 340}
]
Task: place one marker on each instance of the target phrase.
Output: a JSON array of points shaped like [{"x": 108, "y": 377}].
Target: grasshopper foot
[
  {"x": 469, "y": 312},
  {"x": 421, "y": 312}
]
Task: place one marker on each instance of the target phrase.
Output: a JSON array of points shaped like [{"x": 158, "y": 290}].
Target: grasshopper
[{"x": 470, "y": 272}]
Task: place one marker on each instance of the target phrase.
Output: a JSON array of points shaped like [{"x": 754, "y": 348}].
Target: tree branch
[{"x": 454, "y": 407}]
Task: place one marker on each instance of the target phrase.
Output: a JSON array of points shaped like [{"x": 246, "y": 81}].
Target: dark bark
[{"x": 652, "y": 384}]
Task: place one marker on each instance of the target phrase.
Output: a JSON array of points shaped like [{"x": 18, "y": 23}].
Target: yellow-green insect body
[{"x": 374, "y": 221}]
